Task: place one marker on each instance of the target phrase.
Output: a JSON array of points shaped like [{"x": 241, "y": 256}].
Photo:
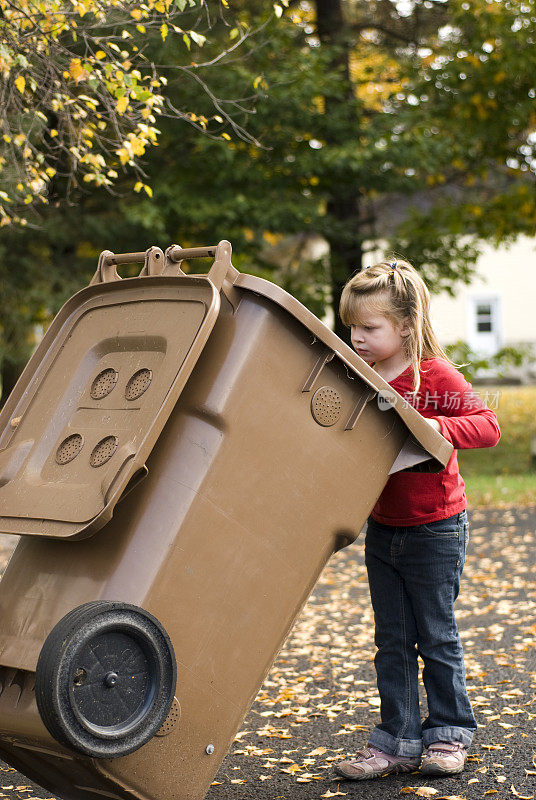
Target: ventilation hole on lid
[
  {"x": 103, "y": 451},
  {"x": 103, "y": 383},
  {"x": 138, "y": 384},
  {"x": 69, "y": 448}
]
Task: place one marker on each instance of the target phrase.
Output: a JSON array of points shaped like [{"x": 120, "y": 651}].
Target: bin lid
[{"x": 94, "y": 397}]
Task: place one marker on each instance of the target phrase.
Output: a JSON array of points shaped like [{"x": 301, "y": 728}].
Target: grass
[{"x": 504, "y": 475}]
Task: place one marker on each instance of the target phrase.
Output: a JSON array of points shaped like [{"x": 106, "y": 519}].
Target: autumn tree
[
  {"x": 425, "y": 108},
  {"x": 84, "y": 98},
  {"x": 83, "y": 85},
  {"x": 422, "y": 107}
]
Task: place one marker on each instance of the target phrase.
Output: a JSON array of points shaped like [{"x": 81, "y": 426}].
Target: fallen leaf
[
  {"x": 521, "y": 796},
  {"x": 451, "y": 797},
  {"x": 318, "y": 752},
  {"x": 241, "y": 735}
]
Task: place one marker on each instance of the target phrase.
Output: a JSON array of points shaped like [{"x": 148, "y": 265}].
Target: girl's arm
[{"x": 463, "y": 418}]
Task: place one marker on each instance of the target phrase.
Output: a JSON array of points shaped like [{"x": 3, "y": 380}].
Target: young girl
[{"x": 416, "y": 535}]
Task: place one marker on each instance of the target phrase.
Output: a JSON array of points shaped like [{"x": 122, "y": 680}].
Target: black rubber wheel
[{"x": 105, "y": 679}]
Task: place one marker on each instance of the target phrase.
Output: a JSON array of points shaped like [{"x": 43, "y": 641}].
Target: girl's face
[{"x": 375, "y": 338}]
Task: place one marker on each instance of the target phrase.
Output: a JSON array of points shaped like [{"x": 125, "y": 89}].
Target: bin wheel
[{"x": 105, "y": 679}]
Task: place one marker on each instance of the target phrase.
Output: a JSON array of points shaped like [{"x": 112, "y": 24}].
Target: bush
[{"x": 470, "y": 363}]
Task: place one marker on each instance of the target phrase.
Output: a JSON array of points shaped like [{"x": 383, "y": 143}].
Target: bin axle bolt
[
  {"x": 111, "y": 679},
  {"x": 209, "y": 749}
]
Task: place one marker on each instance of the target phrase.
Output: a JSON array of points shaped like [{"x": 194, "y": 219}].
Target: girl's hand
[{"x": 435, "y": 424}]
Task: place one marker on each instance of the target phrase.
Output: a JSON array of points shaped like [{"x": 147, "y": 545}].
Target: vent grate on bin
[
  {"x": 69, "y": 448},
  {"x": 103, "y": 383},
  {"x": 103, "y": 451},
  {"x": 138, "y": 384},
  {"x": 171, "y": 720},
  {"x": 326, "y": 406}
]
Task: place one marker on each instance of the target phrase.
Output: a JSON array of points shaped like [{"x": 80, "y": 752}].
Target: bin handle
[
  {"x": 222, "y": 259},
  {"x": 153, "y": 264},
  {"x": 156, "y": 263}
]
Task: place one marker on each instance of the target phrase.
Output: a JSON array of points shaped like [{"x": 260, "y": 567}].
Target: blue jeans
[{"x": 414, "y": 578}]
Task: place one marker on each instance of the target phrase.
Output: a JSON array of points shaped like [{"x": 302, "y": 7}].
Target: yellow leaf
[
  {"x": 122, "y": 104},
  {"x": 426, "y": 791},
  {"x": 333, "y": 794},
  {"x": 240, "y": 735},
  {"x": 278, "y": 10},
  {"x": 521, "y": 796},
  {"x": 20, "y": 83},
  {"x": 164, "y": 31},
  {"x": 100, "y": 54},
  {"x": 226, "y": 136},
  {"x": 318, "y": 752},
  {"x": 76, "y": 70}
]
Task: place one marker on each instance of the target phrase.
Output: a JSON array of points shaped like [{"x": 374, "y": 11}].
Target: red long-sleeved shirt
[{"x": 415, "y": 498}]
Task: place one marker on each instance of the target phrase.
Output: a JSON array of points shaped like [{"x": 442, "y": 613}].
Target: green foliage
[
  {"x": 309, "y": 134},
  {"x": 471, "y": 363}
]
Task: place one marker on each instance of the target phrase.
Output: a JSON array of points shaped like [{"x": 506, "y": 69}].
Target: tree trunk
[
  {"x": 9, "y": 376},
  {"x": 343, "y": 206}
]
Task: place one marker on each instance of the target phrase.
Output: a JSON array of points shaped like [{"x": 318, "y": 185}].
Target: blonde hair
[{"x": 395, "y": 290}]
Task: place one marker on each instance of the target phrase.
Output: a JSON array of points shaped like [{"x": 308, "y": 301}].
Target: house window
[
  {"x": 483, "y": 318},
  {"x": 485, "y": 335}
]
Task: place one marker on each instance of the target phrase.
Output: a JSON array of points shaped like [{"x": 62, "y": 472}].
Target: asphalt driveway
[{"x": 320, "y": 699}]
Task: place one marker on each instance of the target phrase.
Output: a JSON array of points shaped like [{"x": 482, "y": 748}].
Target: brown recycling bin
[{"x": 181, "y": 456}]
